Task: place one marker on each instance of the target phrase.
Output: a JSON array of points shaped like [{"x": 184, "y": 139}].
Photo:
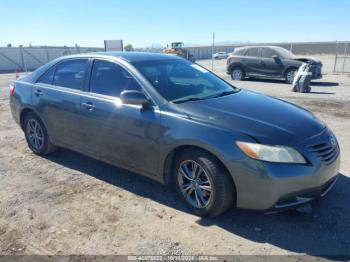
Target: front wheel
[
  {"x": 203, "y": 184},
  {"x": 237, "y": 74},
  {"x": 290, "y": 74}
]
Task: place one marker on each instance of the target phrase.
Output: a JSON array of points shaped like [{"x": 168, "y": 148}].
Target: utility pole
[{"x": 212, "y": 53}]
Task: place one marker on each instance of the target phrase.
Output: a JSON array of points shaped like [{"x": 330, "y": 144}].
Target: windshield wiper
[
  {"x": 187, "y": 100},
  {"x": 224, "y": 93}
]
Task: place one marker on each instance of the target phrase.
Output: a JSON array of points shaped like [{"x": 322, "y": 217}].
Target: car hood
[
  {"x": 266, "y": 119},
  {"x": 306, "y": 58}
]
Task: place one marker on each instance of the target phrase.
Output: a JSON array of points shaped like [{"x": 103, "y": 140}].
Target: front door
[
  {"x": 271, "y": 63},
  {"x": 252, "y": 61},
  {"x": 126, "y": 135}
]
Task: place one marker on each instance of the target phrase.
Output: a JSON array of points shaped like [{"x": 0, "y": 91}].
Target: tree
[{"x": 128, "y": 47}]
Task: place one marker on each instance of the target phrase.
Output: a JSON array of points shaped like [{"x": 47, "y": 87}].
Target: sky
[{"x": 146, "y": 22}]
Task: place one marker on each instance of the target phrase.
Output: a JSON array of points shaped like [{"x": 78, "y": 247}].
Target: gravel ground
[{"x": 71, "y": 204}]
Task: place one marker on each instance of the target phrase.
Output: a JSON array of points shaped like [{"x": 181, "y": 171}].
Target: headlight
[{"x": 281, "y": 154}]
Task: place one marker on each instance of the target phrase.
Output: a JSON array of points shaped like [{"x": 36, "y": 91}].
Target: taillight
[{"x": 12, "y": 89}]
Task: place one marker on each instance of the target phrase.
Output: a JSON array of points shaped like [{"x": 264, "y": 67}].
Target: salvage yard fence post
[
  {"x": 335, "y": 57},
  {"x": 47, "y": 54},
  {"x": 344, "y": 58},
  {"x": 341, "y": 58},
  {"x": 24, "y": 66}
]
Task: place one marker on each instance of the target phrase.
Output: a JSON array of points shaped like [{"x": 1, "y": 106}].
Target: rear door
[
  {"x": 251, "y": 60},
  {"x": 56, "y": 96},
  {"x": 270, "y": 66},
  {"x": 122, "y": 134}
]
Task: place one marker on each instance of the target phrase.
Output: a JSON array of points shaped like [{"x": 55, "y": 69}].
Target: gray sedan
[{"x": 174, "y": 121}]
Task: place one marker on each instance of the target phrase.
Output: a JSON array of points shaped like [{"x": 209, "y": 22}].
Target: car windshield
[
  {"x": 179, "y": 80},
  {"x": 285, "y": 53}
]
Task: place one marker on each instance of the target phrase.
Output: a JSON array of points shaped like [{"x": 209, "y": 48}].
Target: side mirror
[
  {"x": 276, "y": 57},
  {"x": 134, "y": 97}
]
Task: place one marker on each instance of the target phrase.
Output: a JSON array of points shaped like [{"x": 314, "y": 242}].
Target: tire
[
  {"x": 211, "y": 191},
  {"x": 237, "y": 73},
  {"x": 289, "y": 75},
  {"x": 36, "y": 135}
]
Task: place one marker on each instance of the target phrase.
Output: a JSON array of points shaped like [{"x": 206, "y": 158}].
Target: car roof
[
  {"x": 257, "y": 46},
  {"x": 128, "y": 56}
]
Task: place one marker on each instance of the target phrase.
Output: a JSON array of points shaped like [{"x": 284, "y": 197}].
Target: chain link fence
[
  {"x": 29, "y": 58},
  {"x": 342, "y": 58},
  {"x": 24, "y": 59}
]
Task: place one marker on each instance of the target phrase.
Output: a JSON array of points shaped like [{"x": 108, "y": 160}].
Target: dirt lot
[{"x": 70, "y": 204}]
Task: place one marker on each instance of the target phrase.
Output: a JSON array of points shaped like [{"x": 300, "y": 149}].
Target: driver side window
[
  {"x": 268, "y": 53},
  {"x": 108, "y": 78}
]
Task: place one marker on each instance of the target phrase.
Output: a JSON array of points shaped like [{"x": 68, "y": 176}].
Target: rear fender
[{"x": 233, "y": 65}]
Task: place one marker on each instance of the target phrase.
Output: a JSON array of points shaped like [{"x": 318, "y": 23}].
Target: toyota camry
[{"x": 176, "y": 122}]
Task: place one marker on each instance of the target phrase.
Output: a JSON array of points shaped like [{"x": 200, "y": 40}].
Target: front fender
[
  {"x": 183, "y": 131},
  {"x": 291, "y": 64}
]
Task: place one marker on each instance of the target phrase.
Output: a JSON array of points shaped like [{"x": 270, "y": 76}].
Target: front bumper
[
  {"x": 305, "y": 196},
  {"x": 316, "y": 76},
  {"x": 270, "y": 186},
  {"x": 316, "y": 71}
]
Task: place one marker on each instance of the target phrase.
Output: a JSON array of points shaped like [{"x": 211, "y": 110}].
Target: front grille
[
  {"x": 326, "y": 151},
  {"x": 316, "y": 69}
]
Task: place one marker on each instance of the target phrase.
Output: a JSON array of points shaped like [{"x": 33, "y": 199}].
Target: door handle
[
  {"x": 88, "y": 105},
  {"x": 262, "y": 62},
  {"x": 38, "y": 92}
]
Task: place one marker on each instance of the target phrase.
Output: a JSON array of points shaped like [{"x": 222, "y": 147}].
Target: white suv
[{"x": 220, "y": 55}]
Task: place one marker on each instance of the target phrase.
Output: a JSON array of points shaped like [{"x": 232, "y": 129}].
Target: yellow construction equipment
[{"x": 177, "y": 48}]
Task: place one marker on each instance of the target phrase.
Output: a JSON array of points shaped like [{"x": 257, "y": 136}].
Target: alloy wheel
[
  {"x": 195, "y": 184},
  {"x": 35, "y": 134},
  {"x": 237, "y": 74},
  {"x": 290, "y": 76}
]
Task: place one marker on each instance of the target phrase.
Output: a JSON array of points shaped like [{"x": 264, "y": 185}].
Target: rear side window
[
  {"x": 111, "y": 79},
  {"x": 253, "y": 52},
  {"x": 268, "y": 52},
  {"x": 71, "y": 73},
  {"x": 239, "y": 52},
  {"x": 47, "y": 77}
]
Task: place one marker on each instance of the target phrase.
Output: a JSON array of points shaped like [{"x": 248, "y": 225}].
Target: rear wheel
[
  {"x": 203, "y": 184},
  {"x": 237, "y": 74},
  {"x": 290, "y": 74},
  {"x": 36, "y": 135}
]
